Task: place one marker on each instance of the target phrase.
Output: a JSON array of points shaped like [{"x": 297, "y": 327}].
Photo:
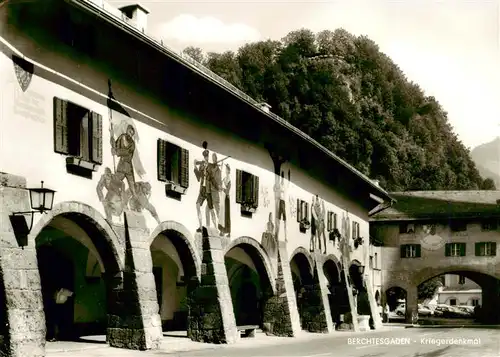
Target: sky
[{"x": 450, "y": 48}]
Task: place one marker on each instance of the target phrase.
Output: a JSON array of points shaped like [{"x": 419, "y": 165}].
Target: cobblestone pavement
[{"x": 395, "y": 341}]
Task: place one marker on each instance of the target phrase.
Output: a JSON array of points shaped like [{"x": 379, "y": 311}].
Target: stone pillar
[
  {"x": 314, "y": 318},
  {"x": 211, "y": 315},
  {"x": 133, "y": 318},
  {"x": 281, "y": 317},
  {"x": 412, "y": 305},
  {"x": 323, "y": 285},
  {"x": 375, "y": 312},
  {"x": 24, "y": 328}
]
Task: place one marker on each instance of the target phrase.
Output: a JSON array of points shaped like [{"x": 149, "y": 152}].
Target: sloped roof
[
  {"x": 108, "y": 13},
  {"x": 421, "y": 205}
]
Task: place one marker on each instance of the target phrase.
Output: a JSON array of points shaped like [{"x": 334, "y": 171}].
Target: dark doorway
[{"x": 56, "y": 272}]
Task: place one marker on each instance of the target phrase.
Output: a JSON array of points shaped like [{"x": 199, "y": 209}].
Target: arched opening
[
  {"x": 360, "y": 291},
  {"x": 337, "y": 292},
  {"x": 174, "y": 270},
  {"x": 249, "y": 283},
  {"x": 459, "y": 296},
  {"x": 73, "y": 253},
  {"x": 395, "y": 310},
  {"x": 303, "y": 280}
]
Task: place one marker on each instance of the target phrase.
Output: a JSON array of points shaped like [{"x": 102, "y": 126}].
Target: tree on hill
[{"x": 353, "y": 99}]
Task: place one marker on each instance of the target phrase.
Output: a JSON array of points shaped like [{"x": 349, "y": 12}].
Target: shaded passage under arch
[
  {"x": 338, "y": 296},
  {"x": 249, "y": 284},
  {"x": 175, "y": 272},
  {"x": 308, "y": 293}
]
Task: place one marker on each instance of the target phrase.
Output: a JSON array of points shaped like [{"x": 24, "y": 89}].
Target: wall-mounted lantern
[{"x": 41, "y": 201}]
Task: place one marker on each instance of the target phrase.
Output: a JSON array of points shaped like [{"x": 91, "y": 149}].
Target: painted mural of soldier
[
  {"x": 280, "y": 192},
  {"x": 115, "y": 197},
  {"x": 140, "y": 200},
  {"x": 201, "y": 171}
]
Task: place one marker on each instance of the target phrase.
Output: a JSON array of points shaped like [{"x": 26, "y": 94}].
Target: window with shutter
[
  {"x": 184, "y": 168},
  {"x": 78, "y": 134},
  {"x": 299, "y": 210},
  {"x": 335, "y": 221},
  {"x": 418, "y": 252},
  {"x": 307, "y": 211},
  {"x": 493, "y": 249},
  {"x": 477, "y": 249},
  {"x": 239, "y": 186},
  {"x": 161, "y": 148},
  {"x": 402, "y": 251},
  {"x": 255, "y": 199},
  {"x": 447, "y": 249},
  {"x": 60, "y": 126},
  {"x": 97, "y": 138},
  {"x": 463, "y": 250}
]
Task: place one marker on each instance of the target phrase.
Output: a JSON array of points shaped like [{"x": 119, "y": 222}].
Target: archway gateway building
[
  {"x": 174, "y": 191},
  {"x": 427, "y": 234}
]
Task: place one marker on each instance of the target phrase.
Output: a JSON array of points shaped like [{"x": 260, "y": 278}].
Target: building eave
[{"x": 101, "y": 13}]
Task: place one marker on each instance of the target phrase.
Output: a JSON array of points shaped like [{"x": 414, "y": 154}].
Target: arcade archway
[
  {"x": 338, "y": 297},
  {"x": 74, "y": 256},
  {"x": 395, "y": 298},
  {"x": 249, "y": 282},
  {"x": 303, "y": 279},
  {"x": 175, "y": 270},
  {"x": 356, "y": 270}
]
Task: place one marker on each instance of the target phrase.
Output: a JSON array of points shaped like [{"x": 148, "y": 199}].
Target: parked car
[
  {"x": 424, "y": 310},
  {"x": 400, "y": 309},
  {"x": 467, "y": 310},
  {"x": 441, "y": 310}
]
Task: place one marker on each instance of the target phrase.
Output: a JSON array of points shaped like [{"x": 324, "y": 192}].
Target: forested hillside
[{"x": 356, "y": 102}]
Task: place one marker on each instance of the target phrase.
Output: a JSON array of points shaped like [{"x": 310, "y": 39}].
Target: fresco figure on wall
[
  {"x": 114, "y": 200},
  {"x": 321, "y": 229},
  {"x": 318, "y": 224},
  {"x": 214, "y": 185},
  {"x": 140, "y": 201},
  {"x": 225, "y": 208},
  {"x": 269, "y": 241},
  {"x": 280, "y": 190},
  {"x": 123, "y": 141},
  {"x": 201, "y": 171}
]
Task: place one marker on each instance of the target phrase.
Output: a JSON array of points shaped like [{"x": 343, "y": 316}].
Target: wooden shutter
[
  {"x": 493, "y": 249},
  {"x": 402, "y": 250},
  {"x": 299, "y": 210},
  {"x": 418, "y": 250},
  {"x": 61, "y": 126},
  {"x": 463, "y": 249},
  {"x": 255, "y": 197},
  {"x": 447, "y": 249},
  {"x": 477, "y": 249},
  {"x": 353, "y": 230},
  {"x": 161, "y": 159},
  {"x": 184, "y": 168},
  {"x": 96, "y": 142},
  {"x": 239, "y": 186},
  {"x": 329, "y": 221},
  {"x": 335, "y": 221}
]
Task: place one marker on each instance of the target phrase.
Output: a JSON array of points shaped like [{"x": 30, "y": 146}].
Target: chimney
[
  {"x": 137, "y": 14},
  {"x": 265, "y": 107}
]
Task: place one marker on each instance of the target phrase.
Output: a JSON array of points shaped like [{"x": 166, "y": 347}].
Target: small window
[
  {"x": 489, "y": 225},
  {"x": 458, "y": 226},
  {"x": 247, "y": 189},
  {"x": 453, "y": 302},
  {"x": 302, "y": 211},
  {"x": 410, "y": 251},
  {"x": 355, "y": 230},
  {"x": 475, "y": 302},
  {"x": 173, "y": 163},
  {"x": 331, "y": 221},
  {"x": 403, "y": 228},
  {"x": 77, "y": 131},
  {"x": 376, "y": 261},
  {"x": 486, "y": 249},
  {"x": 455, "y": 249},
  {"x": 461, "y": 280},
  {"x": 371, "y": 262}
]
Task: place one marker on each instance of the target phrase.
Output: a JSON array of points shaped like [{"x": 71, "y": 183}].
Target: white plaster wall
[{"x": 27, "y": 149}]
